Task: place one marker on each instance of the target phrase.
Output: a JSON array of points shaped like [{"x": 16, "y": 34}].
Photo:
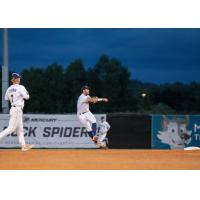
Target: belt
[{"x": 17, "y": 106}]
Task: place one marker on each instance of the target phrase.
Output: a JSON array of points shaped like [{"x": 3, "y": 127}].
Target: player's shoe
[
  {"x": 102, "y": 145},
  {"x": 27, "y": 147},
  {"x": 95, "y": 139}
]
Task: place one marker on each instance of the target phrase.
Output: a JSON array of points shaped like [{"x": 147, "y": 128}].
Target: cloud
[{"x": 139, "y": 49}]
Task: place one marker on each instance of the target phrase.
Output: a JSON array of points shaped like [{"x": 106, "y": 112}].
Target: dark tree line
[{"x": 55, "y": 89}]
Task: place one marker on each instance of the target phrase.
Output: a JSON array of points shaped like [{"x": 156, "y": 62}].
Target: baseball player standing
[
  {"x": 86, "y": 118},
  {"x": 16, "y": 94},
  {"x": 103, "y": 128}
]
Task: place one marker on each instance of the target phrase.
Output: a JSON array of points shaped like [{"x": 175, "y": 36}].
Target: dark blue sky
[{"x": 152, "y": 55}]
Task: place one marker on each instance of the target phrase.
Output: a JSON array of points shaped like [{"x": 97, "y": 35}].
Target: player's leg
[
  {"x": 86, "y": 124},
  {"x": 90, "y": 117},
  {"x": 20, "y": 133},
  {"x": 92, "y": 120},
  {"x": 13, "y": 122},
  {"x": 102, "y": 140},
  {"x": 102, "y": 136}
]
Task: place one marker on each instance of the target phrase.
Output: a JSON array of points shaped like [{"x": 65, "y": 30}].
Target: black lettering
[
  {"x": 76, "y": 130},
  {"x": 32, "y": 131},
  {"x": 84, "y": 132},
  {"x": 55, "y": 131},
  {"x": 25, "y": 133},
  {"x": 68, "y": 133},
  {"x": 61, "y": 131},
  {"x": 47, "y": 131},
  {"x": 14, "y": 134}
]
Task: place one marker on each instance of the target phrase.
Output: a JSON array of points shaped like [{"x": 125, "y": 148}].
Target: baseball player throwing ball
[
  {"x": 16, "y": 94},
  {"x": 86, "y": 118}
]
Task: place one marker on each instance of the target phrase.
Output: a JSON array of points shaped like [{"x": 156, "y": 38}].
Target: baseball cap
[
  {"x": 15, "y": 76},
  {"x": 84, "y": 87}
]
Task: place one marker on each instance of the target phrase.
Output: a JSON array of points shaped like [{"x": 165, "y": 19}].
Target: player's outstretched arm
[
  {"x": 96, "y": 99},
  {"x": 103, "y": 99}
]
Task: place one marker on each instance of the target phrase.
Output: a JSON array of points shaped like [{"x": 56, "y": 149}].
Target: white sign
[{"x": 50, "y": 131}]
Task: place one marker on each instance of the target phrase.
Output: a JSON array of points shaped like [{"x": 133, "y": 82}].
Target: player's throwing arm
[{"x": 96, "y": 99}]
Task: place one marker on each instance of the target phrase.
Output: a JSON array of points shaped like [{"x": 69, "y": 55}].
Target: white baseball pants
[
  {"x": 102, "y": 136},
  {"x": 15, "y": 124},
  {"x": 87, "y": 119}
]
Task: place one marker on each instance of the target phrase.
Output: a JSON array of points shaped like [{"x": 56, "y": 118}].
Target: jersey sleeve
[
  {"x": 107, "y": 125},
  {"x": 85, "y": 98},
  {"x": 24, "y": 93},
  {"x": 6, "y": 96}
]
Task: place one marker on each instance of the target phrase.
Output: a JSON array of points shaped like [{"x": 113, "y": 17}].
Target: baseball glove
[{"x": 94, "y": 99}]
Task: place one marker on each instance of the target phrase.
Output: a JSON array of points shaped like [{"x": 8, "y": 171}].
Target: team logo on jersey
[{"x": 12, "y": 90}]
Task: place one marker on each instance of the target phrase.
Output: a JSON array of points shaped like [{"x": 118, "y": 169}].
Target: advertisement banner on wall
[
  {"x": 50, "y": 131},
  {"x": 175, "y": 131}
]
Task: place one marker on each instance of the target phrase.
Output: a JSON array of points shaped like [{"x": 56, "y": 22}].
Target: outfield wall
[
  {"x": 128, "y": 131},
  {"x": 154, "y": 131},
  {"x": 50, "y": 131}
]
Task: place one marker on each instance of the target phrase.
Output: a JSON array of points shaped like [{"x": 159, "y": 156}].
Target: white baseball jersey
[
  {"x": 104, "y": 127},
  {"x": 16, "y": 94},
  {"x": 82, "y": 104},
  {"x": 85, "y": 116}
]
